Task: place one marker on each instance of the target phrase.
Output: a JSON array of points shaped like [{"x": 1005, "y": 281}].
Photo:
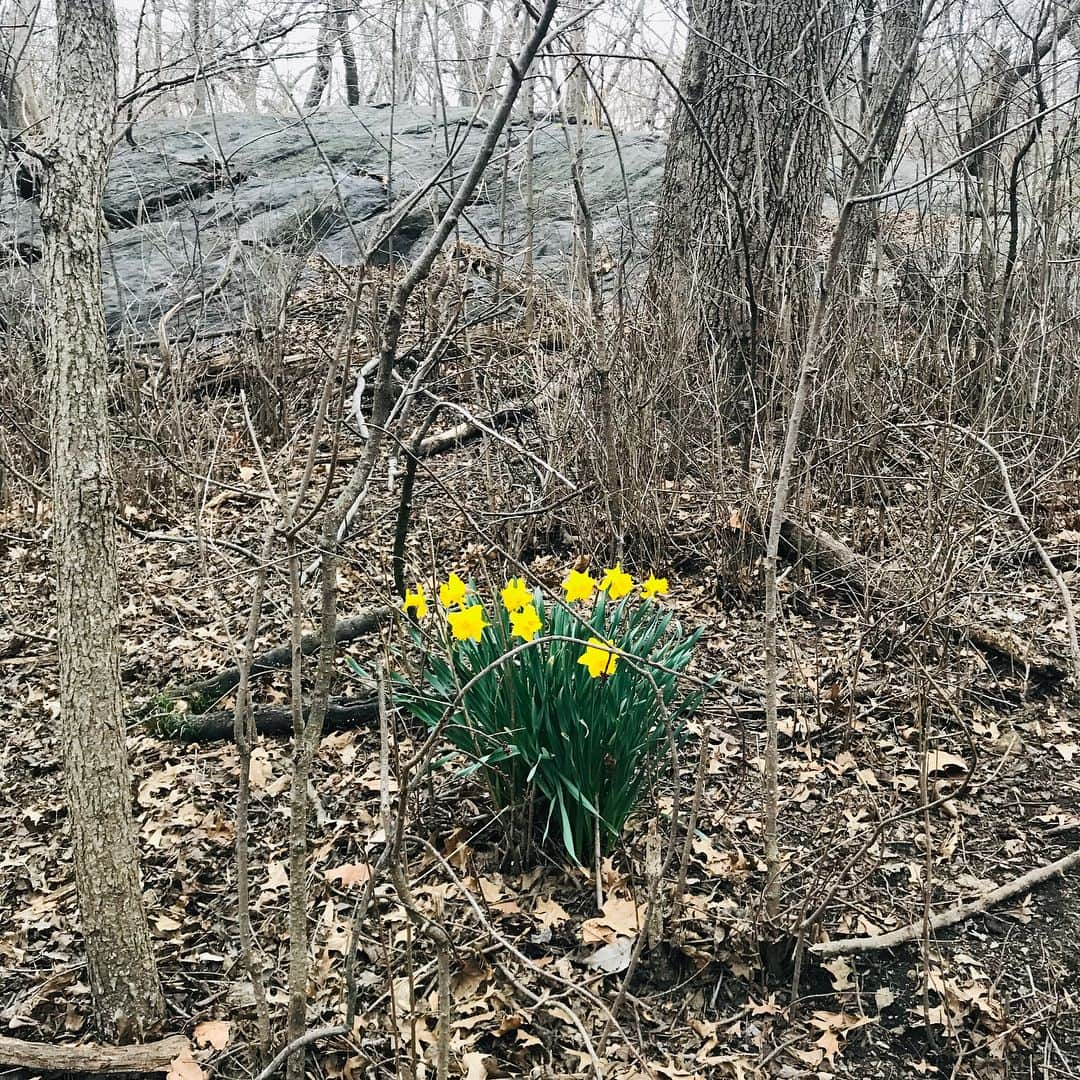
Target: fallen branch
[
  {"x": 299, "y": 1043},
  {"x": 277, "y": 659},
  {"x": 914, "y": 931},
  {"x": 269, "y": 720},
  {"x": 466, "y": 431},
  {"x": 506, "y": 416},
  {"x": 863, "y": 575},
  {"x": 90, "y": 1058}
]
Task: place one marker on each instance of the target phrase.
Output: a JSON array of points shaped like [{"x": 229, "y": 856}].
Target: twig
[
  {"x": 1055, "y": 574},
  {"x": 298, "y": 1044},
  {"x": 950, "y": 917}
]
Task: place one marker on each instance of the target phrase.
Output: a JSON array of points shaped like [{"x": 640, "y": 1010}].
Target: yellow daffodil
[
  {"x": 452, "y": 591},
  {"x": 416, "y": 601},
  {"x": 578, "y": 586},
  {"x": 515, "y": 595},
  {"x": 525, "y": 623},
  {"x": 598, "y": 659},
  {"x": 654, "y": 586},
  {"x": 617, "y": 582},
  {"x": 467, "y": 623}
]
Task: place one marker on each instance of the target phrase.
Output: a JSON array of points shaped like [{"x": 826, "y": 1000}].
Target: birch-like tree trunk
[
  {"x": 197, "y": 30},
  {"x": 120, "y": 959},
  {"x": 743, "y": 182}
]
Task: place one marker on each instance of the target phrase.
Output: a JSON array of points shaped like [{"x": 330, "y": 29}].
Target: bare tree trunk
[
  {"x": 159, "y": 14},
  {"x": 348, "y": 59},
  {"x": 19, "y": 110},
  {"x": 408, "y": 61},
  {"x": 470, "y": 71},
  {"x": 890, "y": 94},
  {"x": 196, "y": 30},
  {"x": 574, "y": 99},
  {"x": 120, "y": 959},
  {"x": 324, "y": 52},
  {"x": 743, "y": 182}
]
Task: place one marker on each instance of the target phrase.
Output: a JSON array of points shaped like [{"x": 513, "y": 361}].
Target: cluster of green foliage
[{"x": 549, "y": 713}]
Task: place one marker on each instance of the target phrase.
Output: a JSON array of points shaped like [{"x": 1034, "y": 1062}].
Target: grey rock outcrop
[{"x": 211, "y": 218}]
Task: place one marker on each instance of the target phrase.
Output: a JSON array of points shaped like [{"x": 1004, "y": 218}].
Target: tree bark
[
  {"x": 279, "y": 658},
  {"x": 120, "y": 959},
  {"x": 838, "y": 564},
  {"x": 890, "y": 94},
  {"x": 951, "y": 916},
  {"x": 743, "y": 184},
  {"x": 19, "y": 109},
  {"x": 90, "y": 1059},
  {"x": 197, "y": 30},
  {"x": 348, "y": 59},
  {"x": 324, "y": 52}
]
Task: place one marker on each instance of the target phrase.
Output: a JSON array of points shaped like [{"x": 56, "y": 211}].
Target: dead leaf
[
  {"x": 612, "y": 958},
  {"x": 765, "y": 1008},
  {"x": 549, "y": 912},
  {"x": 940, "y": 761},
  {"x": 620, "y": 918},
  {"x": 475, "y": 1069},
  {"x": 349, "y": 873},
  {"x": 830, "y": 1044},
  {"x": 840, "y": 972},
  {"x": 456, "y": 850},
  {"x": 260, "y": 771},
  {"x": 491, "y": 890},
  {"x": 185, "y": 1067},
  {"x": 213, "y": 1033}
]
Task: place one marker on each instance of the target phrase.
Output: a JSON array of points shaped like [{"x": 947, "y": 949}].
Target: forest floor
[{"x": 996, "y": 996}]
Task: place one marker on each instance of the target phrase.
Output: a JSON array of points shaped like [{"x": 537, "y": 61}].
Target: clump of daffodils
[{"x": 565, "y": 705}]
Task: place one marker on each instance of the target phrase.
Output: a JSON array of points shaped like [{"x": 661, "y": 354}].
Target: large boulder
[{"x": 209, "y": 218}]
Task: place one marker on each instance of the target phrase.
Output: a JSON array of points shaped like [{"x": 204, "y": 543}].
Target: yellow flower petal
[
  {"x": 525, "y": 623},
  {"x": 516, "y": 595},
  {"x": 617, "y": 582},
  {"x": 452, "y": 591},
  {"x": 416, "y": 601},
  {"x": 467, "y": 623},
  {"x": 578, "y": 586},
  {"x": 654, "y": 586},
  {"x": 598, "y": 659}
]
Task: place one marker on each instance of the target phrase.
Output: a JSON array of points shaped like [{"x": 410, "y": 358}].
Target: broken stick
[
  {"x": 269, "y": 720},
  {"x": 277, "y": 659},
  {"x": 833, "y": 558},
  {"x": 952, "y": 916},
  {"x": 91, "y": 1058}
]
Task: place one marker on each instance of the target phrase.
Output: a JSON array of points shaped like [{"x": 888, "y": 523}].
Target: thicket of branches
[{"x": 847, "y": 333}]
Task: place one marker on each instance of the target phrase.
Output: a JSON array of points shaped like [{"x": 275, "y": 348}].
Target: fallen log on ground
[
  {"x": 864, "y": 576},
  {"x": 467, "y": 430},
  {"x": 278, "y": 659},
  {"x": 91, "y": 1058},
  {"x": 499, "y": 419},
  {"x": 269, "y": 720},
  {"x": 914, "y": 931}
]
